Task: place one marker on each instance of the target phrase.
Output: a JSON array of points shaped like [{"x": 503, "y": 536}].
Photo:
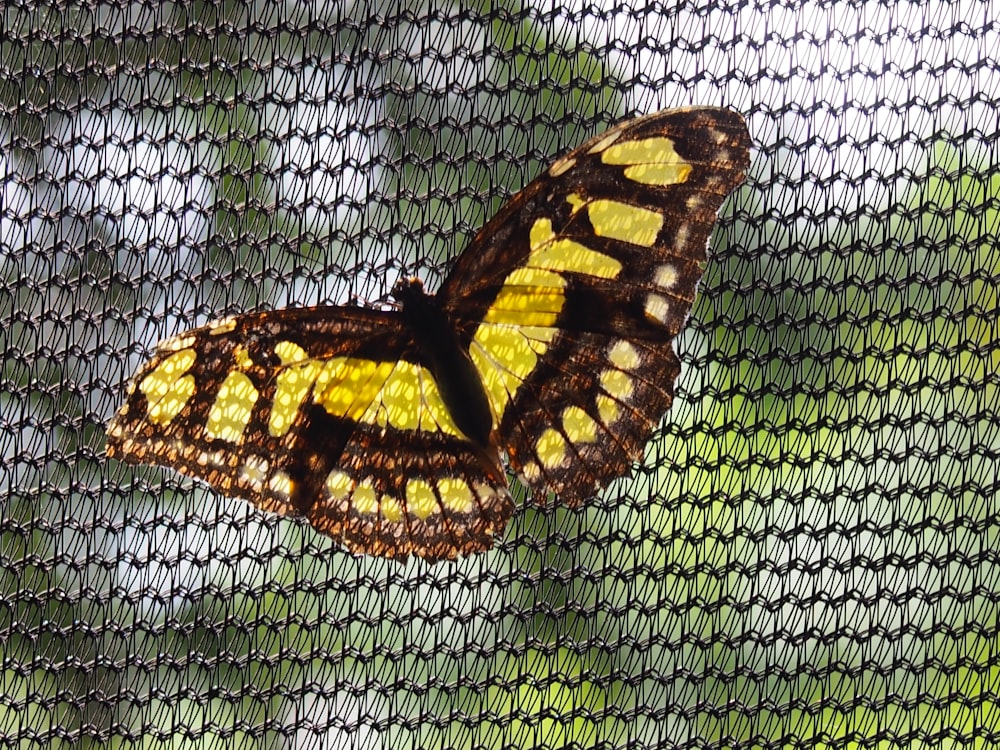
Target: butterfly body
[
  {"x": 447, "y": 360},
  {"x": 549, "y": 342}
]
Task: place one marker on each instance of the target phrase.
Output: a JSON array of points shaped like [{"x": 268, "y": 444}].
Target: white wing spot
[
  {"x": 215, "y": 458},
  {"x": 223, "y": 325},
  {"x": 657, "y": 308},
  {"x": 280, "y": 484},
  {"x": 253, "y": 472},
  {"x": 666, "y": 276},
  {"x": 531, "y": 472},
  {"x": 561, "y": 166},
  {"x": 623, "y": 355},
  {"x": 339, "y": 484},
  {"x": 681, "y": 236},
  {"x": 176, "y": 343}
]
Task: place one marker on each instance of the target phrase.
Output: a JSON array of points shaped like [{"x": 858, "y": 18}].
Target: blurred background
[{"x": 806, "y": 557}]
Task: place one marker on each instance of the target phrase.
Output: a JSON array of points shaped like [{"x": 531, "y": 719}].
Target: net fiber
[{"x": 806, "y": 557}]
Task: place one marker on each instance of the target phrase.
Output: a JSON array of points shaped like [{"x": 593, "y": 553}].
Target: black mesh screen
[{"x": 807, "y": 556}]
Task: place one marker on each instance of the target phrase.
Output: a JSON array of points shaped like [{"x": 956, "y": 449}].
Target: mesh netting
[{"x": 807, "y": 556}]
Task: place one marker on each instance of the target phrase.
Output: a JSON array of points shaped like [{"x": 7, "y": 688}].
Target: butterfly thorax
[{"x": 442, "y": 353}]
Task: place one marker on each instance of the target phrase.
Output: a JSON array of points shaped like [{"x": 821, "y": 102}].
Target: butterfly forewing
[{"x": 570, "y": 299}]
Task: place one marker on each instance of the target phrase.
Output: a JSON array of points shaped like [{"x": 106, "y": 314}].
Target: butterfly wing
[
  {"x": 570, "y": 298},
  {"x": 320, "y": 412}
]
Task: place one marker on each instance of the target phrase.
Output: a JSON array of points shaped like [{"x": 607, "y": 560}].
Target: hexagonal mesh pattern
[{"x": 807, "y": 556}]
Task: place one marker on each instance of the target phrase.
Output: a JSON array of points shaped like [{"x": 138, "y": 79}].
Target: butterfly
[{"x": 548, "y": 344}]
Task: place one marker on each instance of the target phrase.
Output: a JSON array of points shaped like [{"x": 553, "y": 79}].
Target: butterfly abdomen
[{"x": 457, "y": 378}]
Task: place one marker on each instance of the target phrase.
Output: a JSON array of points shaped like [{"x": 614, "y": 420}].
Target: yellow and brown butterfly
[{"x": 549, "y": 342}]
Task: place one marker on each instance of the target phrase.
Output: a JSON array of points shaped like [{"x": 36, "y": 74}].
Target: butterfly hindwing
[
  {"x": 325, "y": 413},
  {"x": 420, "y": 492},
  {"x": 576, "y": 426},
  {"x": 570, "y": 298}
]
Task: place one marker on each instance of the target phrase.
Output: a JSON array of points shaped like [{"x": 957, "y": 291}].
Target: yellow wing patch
[
  {"x": 520, "y": 324},
  {"x": 623, "y": 355},
  {"x": 409, "y": 399},
  {"x": 420, "y": 499},
  {"x": 530, "y": 297},
  {"x": 456, "y": 494},
  {"x": 293, "y": 385},
  {"x": 168, "y": 388},
  {"x": 551, "y": 448},
  {"x": 232, "y": 408},
  {"x": 504, "y": 356},
  {"x": 339, "y": 484},
  {"x": 607, "y": 408},
  {"x": 616, "y": 383},
  {"x": 579, "y": 426},
  {"x": 651, "y": 161},
  {"x": 621, "y": 221},
  {"x": 366, "y": 500},
  {"x": 347, "y": 387},
  {"x": 397, "y": 394},
  {"x": 551, "y": 252}
]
